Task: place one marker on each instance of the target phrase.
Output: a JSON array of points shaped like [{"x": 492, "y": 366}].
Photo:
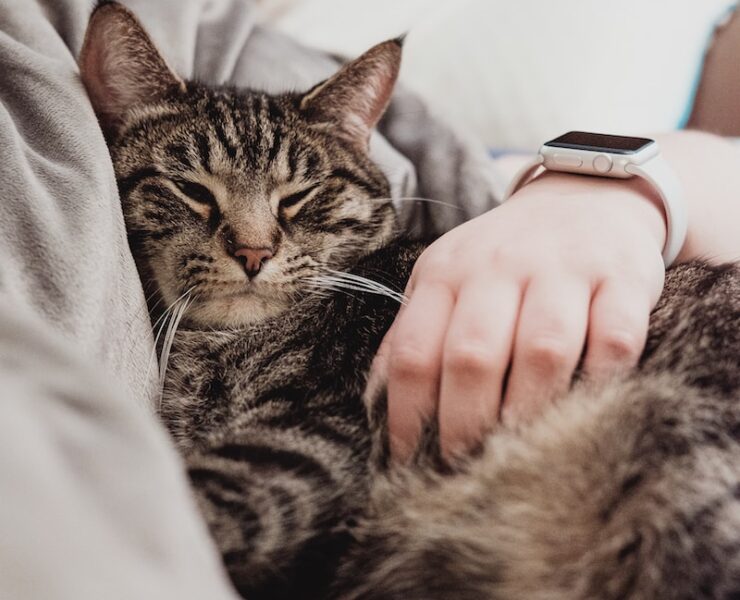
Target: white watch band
[{"x": 659, "y": 175}]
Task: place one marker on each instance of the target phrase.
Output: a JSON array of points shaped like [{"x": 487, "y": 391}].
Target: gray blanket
[{"x": 94, "y": 502}]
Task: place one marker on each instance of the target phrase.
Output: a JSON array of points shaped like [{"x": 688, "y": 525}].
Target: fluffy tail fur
[{"x": 631, "y": 490}]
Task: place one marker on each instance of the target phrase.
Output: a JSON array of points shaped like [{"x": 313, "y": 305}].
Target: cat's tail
[{"x": 629, "y": 492}]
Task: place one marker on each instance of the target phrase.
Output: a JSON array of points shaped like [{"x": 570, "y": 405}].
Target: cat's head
[{"x": 233, "y": 198}]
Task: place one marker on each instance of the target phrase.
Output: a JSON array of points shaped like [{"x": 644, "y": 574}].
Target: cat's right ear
[{"x": 120, "y": 65}]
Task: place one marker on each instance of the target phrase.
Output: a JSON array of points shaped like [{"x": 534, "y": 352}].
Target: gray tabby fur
[{"x": 626, "y": 490}]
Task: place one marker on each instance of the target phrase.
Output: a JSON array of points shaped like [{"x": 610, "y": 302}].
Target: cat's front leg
[{"x": 276, "y": 502}]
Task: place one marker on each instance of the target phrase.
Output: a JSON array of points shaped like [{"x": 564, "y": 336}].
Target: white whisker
[
  {"x": 169, "y": 338},
  {"x": 161, "y": 321},
  {"x": 153, "y": 357},
  {"x": 420, "y": 199},
  {"x": 361, "y": 280},
  {"x": 337, "y": 289},
  {"x": 341, "y": 281}
]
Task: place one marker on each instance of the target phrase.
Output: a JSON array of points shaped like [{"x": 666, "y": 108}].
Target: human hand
[{"x": 568, "y": 262}]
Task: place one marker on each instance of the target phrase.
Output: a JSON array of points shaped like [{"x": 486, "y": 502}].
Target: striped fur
[
  {"x": 628, "y": 490},
  {"x": 275, "y": 433},
  {"x": 209, "y": 168}
]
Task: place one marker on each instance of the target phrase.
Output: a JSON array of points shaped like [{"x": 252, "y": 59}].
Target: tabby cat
[{"x": 251, "y": 216}]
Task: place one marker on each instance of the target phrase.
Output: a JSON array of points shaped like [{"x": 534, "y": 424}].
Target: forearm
[{"x": 709, "y": 169}]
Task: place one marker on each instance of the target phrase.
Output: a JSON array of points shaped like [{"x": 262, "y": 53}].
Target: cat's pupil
[{"x": 196, "y": 191}]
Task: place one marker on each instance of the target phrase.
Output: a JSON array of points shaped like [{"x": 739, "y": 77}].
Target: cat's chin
[{"x": 234, "y": 311}]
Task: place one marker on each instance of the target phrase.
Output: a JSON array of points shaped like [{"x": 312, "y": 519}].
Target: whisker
[
  {"x": 339, "y": 280},
  {"x": 383, "y": 277},
  {"x": 419, "y": 199},
  {"x": 143, "y": 309},
  {"x": 161, "y": 321},
  {"x": 167, "y": 343},
  {"x": 331, "y": 288},
  {"x": 153, "y": 357},
  {"x": 360, "y": 279},
  {"x": 320, "y": 291}
]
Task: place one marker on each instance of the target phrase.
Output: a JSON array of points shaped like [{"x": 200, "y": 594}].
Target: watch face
[{"x": 598, "y": 142}]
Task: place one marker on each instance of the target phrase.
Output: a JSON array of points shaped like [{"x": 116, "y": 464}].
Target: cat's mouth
[
  {"x": 246, "y": 305},
  {"x": 247, "y": 291},
  {"x": 242, "y": 297},
  {"x": 236, "y": 288}
]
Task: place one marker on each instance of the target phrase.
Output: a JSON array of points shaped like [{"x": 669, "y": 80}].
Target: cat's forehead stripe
[
  {"x": 204, "y": 150},
  {"x": 278, "y": 181}
]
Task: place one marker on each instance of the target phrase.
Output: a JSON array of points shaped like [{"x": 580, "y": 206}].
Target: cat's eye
[
  {"x": 196, "y": 191},
  {"x": 294, "y": 199}
]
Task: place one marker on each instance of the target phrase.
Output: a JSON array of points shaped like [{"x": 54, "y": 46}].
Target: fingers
[
  {"x": 414, "y": 368},
  {"x": 547, "y": 347},
  {"x": 474, "y": 362},
  {"x": 617, "y": 329},
  {"x": 378, "y": 376}
]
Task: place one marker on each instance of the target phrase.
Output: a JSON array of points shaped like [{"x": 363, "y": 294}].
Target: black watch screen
[{"x": 599, "y": 142}]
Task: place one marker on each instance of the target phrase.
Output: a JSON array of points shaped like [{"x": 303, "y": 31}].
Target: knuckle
[
  {"x": 431, "y": 264},
  {"x": 469, "y": 358},
  {"x": 408, "y": 362},
  {"x": 510, "y": 261},
  {"x": 621, "y": 345},
  {"x": 384, "y": 350},
  {"x": 548, "y": 354},
  {"x": 504, "y": 256},
  {"x": 640, "y": 278},
  {"x": 641, "y": 272}
]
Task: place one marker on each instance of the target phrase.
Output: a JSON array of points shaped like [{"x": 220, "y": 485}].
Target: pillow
[{"x": 519, "y": 73}]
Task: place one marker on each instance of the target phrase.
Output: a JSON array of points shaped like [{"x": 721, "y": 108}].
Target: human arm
[
  {"x": 708, "y": 167},
  {"x": 515, "y": 295}
]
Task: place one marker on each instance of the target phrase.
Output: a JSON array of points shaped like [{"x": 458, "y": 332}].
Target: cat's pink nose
[{"x": 253, "y": 259}]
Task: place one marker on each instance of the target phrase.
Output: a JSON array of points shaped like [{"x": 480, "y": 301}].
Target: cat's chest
[
  {"x": 215, "y": 379},
  {"x": 311, "y": 364}
]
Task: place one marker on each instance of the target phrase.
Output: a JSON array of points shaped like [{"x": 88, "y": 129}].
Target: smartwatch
[{"x": 619, "y": 157}]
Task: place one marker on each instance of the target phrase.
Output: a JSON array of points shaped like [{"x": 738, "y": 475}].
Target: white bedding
[{"x": 518, "y": 73}]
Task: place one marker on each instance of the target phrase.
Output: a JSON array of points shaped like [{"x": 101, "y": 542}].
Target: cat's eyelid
[
  {"x": 294, "y": 199},
  {"x": 196, "y": 191}
]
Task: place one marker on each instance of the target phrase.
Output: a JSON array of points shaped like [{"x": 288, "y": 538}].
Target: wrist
[
  {"x": 707, "y": 166},
  {"x": 633, "y": 197}
]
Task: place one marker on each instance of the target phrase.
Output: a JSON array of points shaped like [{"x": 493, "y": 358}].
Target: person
[{"x": 95, "y": 502}]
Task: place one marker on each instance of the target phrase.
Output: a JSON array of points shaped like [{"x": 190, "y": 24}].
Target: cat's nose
[{"x": 253, "y": 259}]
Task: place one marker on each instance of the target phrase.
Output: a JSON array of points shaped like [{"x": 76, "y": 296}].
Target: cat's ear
[
  {"x": 120, "y": 65},
  {"x": 353, "y": 100}
]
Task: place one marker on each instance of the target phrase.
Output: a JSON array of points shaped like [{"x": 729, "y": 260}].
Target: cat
[{"x": 260, "y": 221}]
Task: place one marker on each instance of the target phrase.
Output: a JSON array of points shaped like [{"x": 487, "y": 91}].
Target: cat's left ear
[{"x": 353, "y": 100}]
